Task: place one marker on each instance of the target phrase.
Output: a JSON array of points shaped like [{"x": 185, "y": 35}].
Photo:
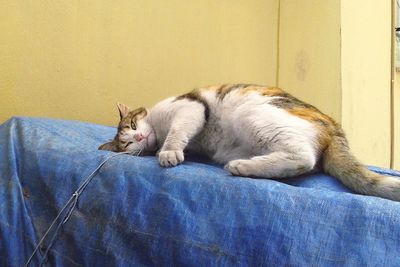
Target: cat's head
[{"x": 134, "y": 134}]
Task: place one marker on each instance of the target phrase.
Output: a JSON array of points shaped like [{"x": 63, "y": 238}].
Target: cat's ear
[
  {"x": 111, "y": 146},
  {"x": 123, "y": 110}
]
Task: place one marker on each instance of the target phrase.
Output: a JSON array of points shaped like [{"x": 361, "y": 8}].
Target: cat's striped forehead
[{"x": 133, "y": 116}]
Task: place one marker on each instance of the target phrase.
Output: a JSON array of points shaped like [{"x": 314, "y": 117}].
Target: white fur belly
[
  {"x": 241, "y": 128},
  {"x": 219, "y": 144}
]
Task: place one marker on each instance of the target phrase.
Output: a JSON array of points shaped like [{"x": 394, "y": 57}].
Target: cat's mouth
[{"x": 129, "y": 143}]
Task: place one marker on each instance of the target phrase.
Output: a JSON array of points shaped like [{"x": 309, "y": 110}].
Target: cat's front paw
[
  {"x": 170, "y": 158},
  {"x": 240, "y": 167}
]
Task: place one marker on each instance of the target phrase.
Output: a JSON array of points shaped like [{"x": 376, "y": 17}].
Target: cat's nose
[{"x": 138, "y": 137}]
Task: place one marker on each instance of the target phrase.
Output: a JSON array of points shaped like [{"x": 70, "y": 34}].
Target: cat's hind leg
[{"x": 274, "y": 165}]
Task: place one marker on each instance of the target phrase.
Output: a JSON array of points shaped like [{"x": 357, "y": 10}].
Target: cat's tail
[{"x": 340, "y": 163}]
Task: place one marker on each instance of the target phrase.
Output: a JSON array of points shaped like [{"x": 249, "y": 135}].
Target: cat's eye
[{"x": 133, "y": 125}]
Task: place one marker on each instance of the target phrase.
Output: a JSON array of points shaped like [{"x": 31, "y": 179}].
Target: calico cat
[{"x": 255, "y": 131}]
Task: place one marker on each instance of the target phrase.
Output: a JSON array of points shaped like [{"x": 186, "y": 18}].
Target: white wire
[{"x": 73, "y": 198}]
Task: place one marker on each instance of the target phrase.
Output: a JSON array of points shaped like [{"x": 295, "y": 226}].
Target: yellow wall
[
  {"x": 309, "y": 52},
  {"x": 75, "y": 59},
  {"x": 366, "y": 78},
  {"x": 396, "y": 95},
  {"x": 337, "y": 56},
  {"x": 396, "y": 130}
]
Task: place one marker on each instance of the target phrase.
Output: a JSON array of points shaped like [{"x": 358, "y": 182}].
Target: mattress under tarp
[{"x": 136, "y": 213}]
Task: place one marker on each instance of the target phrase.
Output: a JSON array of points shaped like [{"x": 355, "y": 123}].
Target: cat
[{"x": 256, "y": 131}]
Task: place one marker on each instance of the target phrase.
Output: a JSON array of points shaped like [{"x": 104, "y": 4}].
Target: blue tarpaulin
[{"x": 136, "y": 213}]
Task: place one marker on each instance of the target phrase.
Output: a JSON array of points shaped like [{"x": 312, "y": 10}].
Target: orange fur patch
[
  {"x": 262, "y": 90},
  {"x": 325, "y": 125}
]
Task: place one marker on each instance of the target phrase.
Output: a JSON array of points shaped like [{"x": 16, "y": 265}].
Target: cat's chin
[{"x": 151, "y": 142}]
